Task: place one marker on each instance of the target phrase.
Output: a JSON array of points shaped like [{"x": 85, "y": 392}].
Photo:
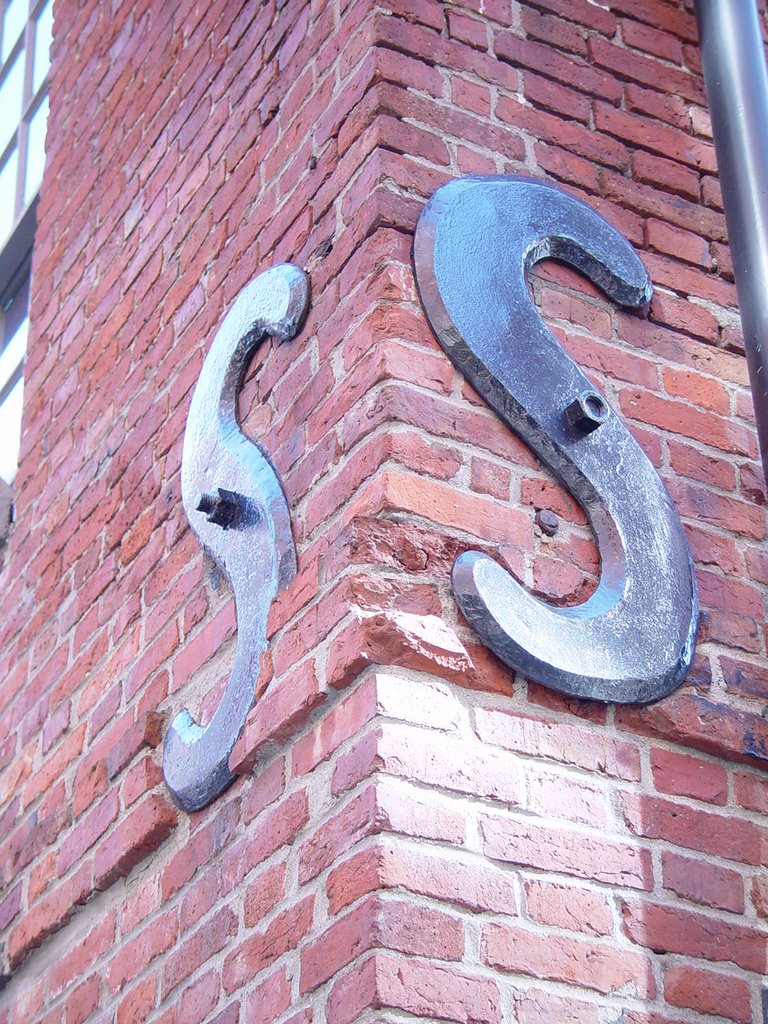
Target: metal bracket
[
  {"x": 236, "y": 507},
  {"x": 633, "y": 640}
]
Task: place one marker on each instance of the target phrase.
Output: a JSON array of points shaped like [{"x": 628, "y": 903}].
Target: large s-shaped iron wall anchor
[
  {"x": 633, "y": 640},
  {"x": 236, "y": 507}
]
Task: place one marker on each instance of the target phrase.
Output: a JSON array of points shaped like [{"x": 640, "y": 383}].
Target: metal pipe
[{"x": 737, "y": 89}]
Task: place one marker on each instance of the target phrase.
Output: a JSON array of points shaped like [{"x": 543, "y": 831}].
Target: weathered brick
[
  {"x": 576, "y": 909},
  {"x": 708, "y": 992},
  {"x": 134, "y": 838},
  {"x": 418, "y": 987},
  {"x": 417, "y": 931},
  {"x": 463, "y": 882},
  {"x": 263, "y": 948},
  {"x": 199, "y": 948},
  {"x": 718, "y": 834},
  {"x": 279, "y": 827},
  {"x": 701, "y": 882},
  {"x": 681, "y": 775},
  {"x": 589, "y": 964},
  {"x": 154, "y": 939},
  {"x": 564, "y": 851},
  {"x": 562, "y": 742},
  {"x": 674, "y": 930}
]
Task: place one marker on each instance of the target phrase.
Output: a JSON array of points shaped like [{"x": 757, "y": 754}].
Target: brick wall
[{"x": 415, "y": 831}]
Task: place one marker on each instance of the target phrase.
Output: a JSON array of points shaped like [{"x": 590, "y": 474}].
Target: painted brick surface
[{"x": 415, "y": 832}]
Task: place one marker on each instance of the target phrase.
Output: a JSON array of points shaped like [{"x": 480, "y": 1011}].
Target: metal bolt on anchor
[
  {"x": 221, "y": 507},
  {"x": 587, "y": 412}
]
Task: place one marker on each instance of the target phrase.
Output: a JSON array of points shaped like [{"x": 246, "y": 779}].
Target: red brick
[
  {"x": 278, "y": 714},
  {"x": 341, "y": 723},
  {"x": 463, "y": 882},
  {"x": 536, "y": 1006},
  {"x": 650, "y": 134},
  {"x": 196, "y": 852},
  {"x": 448, "y": 763},
  {"x": 410, "y": 640},
  {"x": 83, "y": 1000},
  {"x": 576, "y": 909},
  {"x": 87, "y": 832},
  {"x": 696, "y": 465},
  {"x": 576, "y": 310},
  {"x": 263, "y": 790},
  {"x": 598, "y": 966},
  {"x": 140, "y": 778},
  {"x": 701, "y": 391},
  {"x": 394, "y": 925},
  {"x": 142, "y": 901},
  {"x": 744, "y": 678},
  {"x": 199, "y": 898},
  {"x": 132, "y": 957},
  {"x": 553, "y": 796},
  {"x": 553, "y": 30},
  {"x": 561, "y": 742},
  {"x": 669, "y": 175},
  {"x": 490, "y": 478},
  {"x": 48, "y": 915},
  {"x": 83, "y": 958},
  {"x": 751, "y": 792},
  {"x": 651, "y": 40},
  {"x": 139, "y": 1002},
  {"x": 708, "y": 507},
  {"x": 545, "y": 60},
  {"x": 392, "y": 465},
  {"x": 565, "y": 851},
  {"x": 583, "y": 13},
  {"x": 556, "y": 97},
  {"x": 566, "y": 166},
  {"x": 199, "y": 948},
  {"x": 134, "y": 838},
  {"x": 339, "y": 833},
  {"x": 673, "y": 930},
  {"x": 264, "y": 893},
  {"x": 199, "y": 998},
  {"x": 467, "y": 30},
  {"x": 682, "y": 419},
  {"x": 681, "y": 775},
  {"x": 708, "y": 992},
  {"x": 577, "y": 138},
  {"x": 718, "y": 834},
  {"x": 700, "y": 882},
  {"x": 278, "y": 828},
  {"x": 261, "y": 949},
  {"x": 759, "y": 895},
  {"x": 645, "y": 70},
  {"x": 417, "y": 987},
  {"x": 270, "y": 998},
  {"x": 380, "y": 808}
]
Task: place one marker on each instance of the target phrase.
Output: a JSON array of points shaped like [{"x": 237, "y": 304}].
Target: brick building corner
[{"x": 415, "y": 831}]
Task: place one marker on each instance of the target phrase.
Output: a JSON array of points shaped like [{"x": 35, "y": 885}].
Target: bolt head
[
  {"x": 587, "y": 412},
  {"x": 220, "y": 507},
  {"x": 547, "y": 521}
]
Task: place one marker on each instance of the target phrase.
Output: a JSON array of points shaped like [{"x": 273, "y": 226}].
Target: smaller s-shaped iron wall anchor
[
  {"x": 633, "y": 640},
  {"x": 235, "y": 505}
]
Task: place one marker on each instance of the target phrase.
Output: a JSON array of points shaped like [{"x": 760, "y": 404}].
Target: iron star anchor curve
[
  {"x": 633, "y": 640},
  {"x": 236, "y": 507}
]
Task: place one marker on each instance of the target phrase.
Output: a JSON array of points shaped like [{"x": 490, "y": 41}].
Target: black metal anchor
[
  {"x": 236, "y": 507},
  {"x": 633, "y": 640}
]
